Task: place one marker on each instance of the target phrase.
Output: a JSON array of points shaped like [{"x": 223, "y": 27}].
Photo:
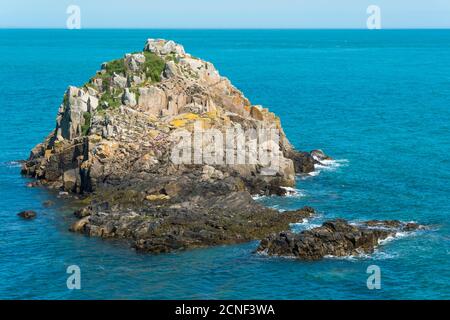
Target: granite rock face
[
  {"x": 114, "y": 143},
  {"x": 334, "y": 238}
]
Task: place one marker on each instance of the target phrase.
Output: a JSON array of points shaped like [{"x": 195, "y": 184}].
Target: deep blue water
[{"x": 378, "y": 101}]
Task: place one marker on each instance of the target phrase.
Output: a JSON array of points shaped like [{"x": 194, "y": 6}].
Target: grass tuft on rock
[
  {"x": 154, "y": 66},
  {"x": 115, "y": 66},
  {"x": 87, "y": 123},
  {"x": 110, "y": 100}
]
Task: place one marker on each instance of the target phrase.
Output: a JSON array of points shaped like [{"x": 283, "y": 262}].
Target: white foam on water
[
  {"x": 381, "y": 255},
  {"x": 258, "y": 196},
  {"x": 292, "y": 192},
  {"x": 305, "y": 224},
  {"x": 376, "y": 255},
  {"x": 349, "y": 258},
  {"x": 398, "y": 235},
  {"x": 276, "y": 207},
  {"x": 331, "y": 165},
  {"x": 12, "y": 164},
  {"x": 265, "y": 253},
  {"x": 328, "y": 165},
  {"x": 314, "y": 173}
]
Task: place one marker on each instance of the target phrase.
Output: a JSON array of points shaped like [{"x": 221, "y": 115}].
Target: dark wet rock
[
  {"x": 78, "y": 226},
  {"x": 48, "y": 203},
  {"x": 412, "y": 226},
  {"x": 33, "y": 184},
  {"x": 187, "y": 220},
  {"x": 334, "y": 238},
  {"x": 28, "y": 214},
  {"x": 384, "y": 223},
  {"x": 83, "y": 212},
  {"x": 303, "y": 161}
]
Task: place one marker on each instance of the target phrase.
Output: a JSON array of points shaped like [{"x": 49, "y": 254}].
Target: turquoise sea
[{"x": 377, "y": 101}]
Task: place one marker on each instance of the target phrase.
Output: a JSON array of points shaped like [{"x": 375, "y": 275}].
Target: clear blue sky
[{"x": 225, "y": 13}]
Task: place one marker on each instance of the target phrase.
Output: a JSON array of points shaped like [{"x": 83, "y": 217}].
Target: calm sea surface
[{"x": 377, "y": 101}]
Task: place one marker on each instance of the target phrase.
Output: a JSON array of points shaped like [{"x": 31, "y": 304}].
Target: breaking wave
[
  {"x": 11, "y": 164},
  {"x": 290, "y": 193},
  {"x": 328, "y": 165}
]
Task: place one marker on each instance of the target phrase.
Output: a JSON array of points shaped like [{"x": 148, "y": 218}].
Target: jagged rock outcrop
[
  {"x": 115, "y": 138},
  {"x": 334, "y": 238}
]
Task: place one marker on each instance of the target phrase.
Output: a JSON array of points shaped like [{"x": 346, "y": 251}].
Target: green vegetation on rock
[
  {"x": 172, "y": 57},
  {"x": 110, "y": 100},
  {"x": 136, "y": 92},
  {"x": 111, "y": 96},
  {"x": 115, "y": 66},
  {"x": 66, "y": 99},
  {"x": 153, "y": 67},
  {"x": 87, "y": 123}
]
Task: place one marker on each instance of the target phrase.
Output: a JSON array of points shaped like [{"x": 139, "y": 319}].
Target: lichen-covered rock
[
  {"x": 163, "y": 47},
  {"x": 176, "y": 91}
]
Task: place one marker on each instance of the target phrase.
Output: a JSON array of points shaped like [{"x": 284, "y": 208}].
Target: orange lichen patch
[
  {"x": 105, "y": 149},
  {"x": 48, "y": 153},
  {"x": 257, "y": 113},
  {"x": 86, "y": 164},
  {"x": 212, "y": 114},
  {"x": 178, "y": 123},
  {"x": 278, "y": 122},
  {"x": 146, "y": 157},
  {"x": 238, "y": 100},
  {"x": 94, "y": 138},
  {"x": 189, "y": 116},
  {"x": 183, "y": 119}
]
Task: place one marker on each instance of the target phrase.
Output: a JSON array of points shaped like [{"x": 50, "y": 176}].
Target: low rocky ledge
[
  {"x": 334, "y": 238},
  {"x": 188, "y": 215}
]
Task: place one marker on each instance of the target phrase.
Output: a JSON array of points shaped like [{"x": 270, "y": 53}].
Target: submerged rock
[
  {"x": 334, "y": 238},
  {"x": 28, "y": 214},
  {"x": 48, "y": 203}
]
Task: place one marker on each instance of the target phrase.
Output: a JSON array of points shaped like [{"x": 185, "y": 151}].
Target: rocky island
[{"x": 114, "y": 144}]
